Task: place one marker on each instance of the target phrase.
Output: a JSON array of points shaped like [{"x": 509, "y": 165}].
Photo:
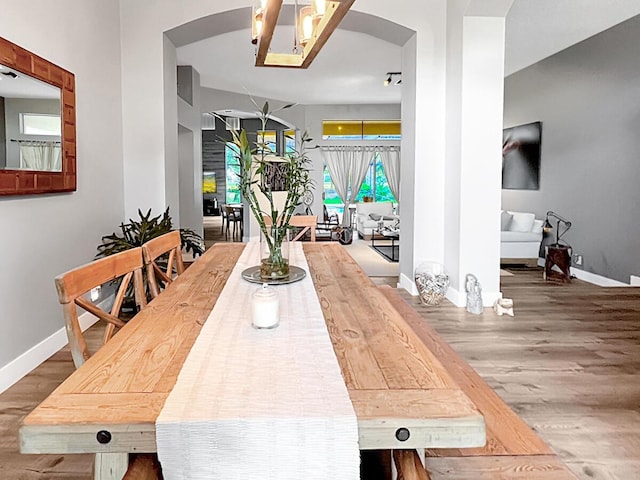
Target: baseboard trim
[
  {"x": 596, "y": 279},
  {"x": 408, "y": 284},
  {"x": 459, "y": 299},
  {"x": 13, "y": 371},
  {"x": 592, "y": 278}
]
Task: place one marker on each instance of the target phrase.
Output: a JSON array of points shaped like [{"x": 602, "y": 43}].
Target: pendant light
[{"x": 314, "y": 24}]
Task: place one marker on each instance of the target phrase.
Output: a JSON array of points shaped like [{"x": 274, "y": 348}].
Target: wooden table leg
[
  {"x": 110, "y": 466},
  {"x": 409, "y": 466}
]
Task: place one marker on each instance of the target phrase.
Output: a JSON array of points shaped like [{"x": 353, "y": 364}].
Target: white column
[
  {"x": 474, "y": 240},
  {"x": 422, "y": 189}
]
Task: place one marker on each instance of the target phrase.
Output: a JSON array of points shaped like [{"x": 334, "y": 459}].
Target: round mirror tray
[{"x": 252, "y": 274}]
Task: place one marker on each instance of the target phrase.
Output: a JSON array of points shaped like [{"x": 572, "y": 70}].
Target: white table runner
[{"x": 260, "y": 404}]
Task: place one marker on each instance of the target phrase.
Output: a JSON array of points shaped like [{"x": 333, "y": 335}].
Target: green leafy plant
[{"x": 137, "y": 232}]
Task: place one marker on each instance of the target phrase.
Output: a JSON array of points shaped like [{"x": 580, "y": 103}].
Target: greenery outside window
[
  {"x": 232, "y": 174},
  {"x": 289, "y": 141},
  {"x": 375, "y": 185}
]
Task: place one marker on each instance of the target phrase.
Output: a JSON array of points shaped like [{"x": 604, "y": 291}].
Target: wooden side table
[{"x": 560, "y": 256}]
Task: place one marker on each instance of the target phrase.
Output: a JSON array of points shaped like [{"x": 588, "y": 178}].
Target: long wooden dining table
[{"x": 402, "y": 395}]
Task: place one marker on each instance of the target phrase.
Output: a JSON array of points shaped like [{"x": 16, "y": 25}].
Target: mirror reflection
[{"x": 30, "y": 123}]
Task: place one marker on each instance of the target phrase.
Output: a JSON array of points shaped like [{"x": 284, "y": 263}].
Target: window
[
  {"x": 268, "y": 139},
  {"x": 361, "y": 130},
  {"x": 289, "y": 141},
  {"x": 232, "y": 174},
  {"x": 375, "y": 185},
  {"x": 40, "y": 124}
]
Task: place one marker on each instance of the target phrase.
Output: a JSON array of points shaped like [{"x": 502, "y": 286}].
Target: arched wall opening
[{"x": 447, "y": 162}]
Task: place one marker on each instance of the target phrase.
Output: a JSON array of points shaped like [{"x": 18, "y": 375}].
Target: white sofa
[
  {"x": 520, "y": 237},
  {"x": 369, "y": 215}
]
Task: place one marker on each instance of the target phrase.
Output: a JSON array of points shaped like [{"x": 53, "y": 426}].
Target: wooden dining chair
[
  {"x": 306, "y": 223},
  {"x": 223, "y": 213},
  {"x": 73, "y": 285},
  {"x": 163, "y": 261},
  {"x": 234, "y": 216}
]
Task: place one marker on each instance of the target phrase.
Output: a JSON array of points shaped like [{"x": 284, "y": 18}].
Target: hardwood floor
[
  {"x": 568, "y": 363},
  {"x": 18, "y": 401}
]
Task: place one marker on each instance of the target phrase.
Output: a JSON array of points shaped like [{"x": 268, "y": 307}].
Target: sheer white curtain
[
  {"x": 338, "y": 160},
  {"x": 45, "y": 156},
  {"x": 359, "y": 168},
  {"x": 390, "y": 157},
  {"x": 348, "y": 166}
]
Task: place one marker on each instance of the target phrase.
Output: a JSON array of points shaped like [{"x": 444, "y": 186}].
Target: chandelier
[{"x": 314, "y": 24}]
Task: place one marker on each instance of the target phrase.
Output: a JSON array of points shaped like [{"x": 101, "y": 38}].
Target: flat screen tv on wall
[{"x": 521, "y": 157}]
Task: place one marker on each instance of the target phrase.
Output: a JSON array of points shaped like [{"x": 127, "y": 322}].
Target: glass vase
[{"x": 274, "y": 257}]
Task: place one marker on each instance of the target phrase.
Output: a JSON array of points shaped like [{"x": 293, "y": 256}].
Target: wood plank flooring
[{"x": 568, "y": 363}]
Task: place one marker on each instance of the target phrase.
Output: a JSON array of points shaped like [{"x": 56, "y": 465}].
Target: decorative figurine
[{"x": 474, "y": 294}]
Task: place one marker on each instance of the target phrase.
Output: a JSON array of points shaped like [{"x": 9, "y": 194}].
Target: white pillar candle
[{"x": 265, "y": 308}]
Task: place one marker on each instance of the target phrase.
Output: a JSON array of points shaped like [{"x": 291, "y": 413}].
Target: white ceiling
[
  {"x": 536, "y": 29},
  {"x": 23, "y": 86},
  {"x": 351, "y": 67}
]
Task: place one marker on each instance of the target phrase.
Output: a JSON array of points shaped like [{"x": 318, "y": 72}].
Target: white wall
[
  {"x": 45, "y": 235},
  {"x": 190, "y": 159}
]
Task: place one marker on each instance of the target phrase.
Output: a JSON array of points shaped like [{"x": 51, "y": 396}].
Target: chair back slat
[
  {"x": 74, "y": 284},
  {"x": 307, "y": 223},
  {"x": 171, "y": 244},
  {"x": 79, "y": 281}
]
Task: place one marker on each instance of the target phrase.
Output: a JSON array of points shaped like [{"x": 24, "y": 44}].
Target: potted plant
[
  {"x": 272, "y": 201},
  {"x": 137, "y": 232}
]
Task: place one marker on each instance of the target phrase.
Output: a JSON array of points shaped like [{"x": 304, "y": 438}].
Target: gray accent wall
[{"x": 588, "y": 100}]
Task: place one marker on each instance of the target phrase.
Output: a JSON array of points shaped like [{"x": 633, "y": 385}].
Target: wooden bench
[{"x": 513, "y": 450}]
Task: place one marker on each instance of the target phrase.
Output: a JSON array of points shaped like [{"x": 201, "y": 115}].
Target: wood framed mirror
[{"x": 37, "y": 135}]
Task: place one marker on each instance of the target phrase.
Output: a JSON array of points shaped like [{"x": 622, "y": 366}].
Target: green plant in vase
[{"x": 272, "y": 187}]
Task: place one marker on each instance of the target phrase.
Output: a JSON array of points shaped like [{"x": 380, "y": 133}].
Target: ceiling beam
[{"x": 335, "y": 12}]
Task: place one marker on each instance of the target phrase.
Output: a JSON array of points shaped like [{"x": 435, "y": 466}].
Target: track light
[{"x": 390, "y": 76}]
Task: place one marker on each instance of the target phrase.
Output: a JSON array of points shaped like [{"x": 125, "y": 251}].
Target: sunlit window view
[
  {"x": 375, "y": 185},
  {"x": 40, "y": 124},
  {"x": 268, "y": 139},
  {"x": 232, "y": 174},
  {"x": 289, "y": 141}
]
